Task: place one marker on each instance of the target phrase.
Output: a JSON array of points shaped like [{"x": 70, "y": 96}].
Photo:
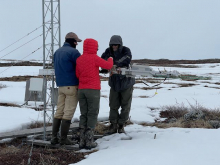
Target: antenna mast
[{"x": 51, "y": 42}]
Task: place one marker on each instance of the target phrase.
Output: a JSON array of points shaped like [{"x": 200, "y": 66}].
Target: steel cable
[
  {"x": 21, "y": 59},
  {"x": 21, "y": 38},
  {"x": 21, "y": 46},
  {"x": 28, "y": 54}
]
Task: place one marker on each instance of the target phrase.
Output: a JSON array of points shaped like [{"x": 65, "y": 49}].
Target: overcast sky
[{"x": 153, "y": 29}]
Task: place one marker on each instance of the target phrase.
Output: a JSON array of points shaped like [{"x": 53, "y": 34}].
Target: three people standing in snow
[{"x": 72, "y": 70}]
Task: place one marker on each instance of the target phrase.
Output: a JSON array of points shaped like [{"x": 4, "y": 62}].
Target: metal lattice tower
[{"x": 51, "y": 42}]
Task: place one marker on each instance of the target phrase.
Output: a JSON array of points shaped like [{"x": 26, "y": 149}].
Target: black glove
[{"x": 104, "y": 71}]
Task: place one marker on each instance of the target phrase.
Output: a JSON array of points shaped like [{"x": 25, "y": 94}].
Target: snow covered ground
[{"x": 173, "y": 146}]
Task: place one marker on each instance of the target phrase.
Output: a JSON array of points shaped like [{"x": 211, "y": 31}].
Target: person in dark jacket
[
  {"x": 65, "y": 66},
  {"x": 121, "y": 86}
]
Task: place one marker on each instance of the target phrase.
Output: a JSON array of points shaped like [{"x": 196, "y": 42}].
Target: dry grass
[
  {"x": 9, "y": 150},
  {"x": 104, "y": 78},
  {"x": 22, "y": 63},
  {"x": 10, "y": 155},
  {"x": 9, "y": 105},
  {"x": 148, "y": 80},
  {"x": 175, "y": 65},
  {"x": 40, "y": 108},
  {"x": 186, "y": 85},
  {"x": 101, "y": 128},
  {"x": 174, "y": 117},
  {"x": 181, "y": 123},
  {"x": 18, "y": 78},
  {"x": 105, "y": 96},
  {"x": 147, "y": 88},
  {"x": 177, "y": 111},
  {"x": 2, "y": 86},
  {"x": 212, "y": 87},
  {"x": 205, "y": 82},
  {"x": 153, "y": 108},
  {"x": 143, "y": 96},
  {"x": 37, "y": 124},
  {"x": 181, "y": 84},
  {"x": 161, "y": 62},
  {"x": 17, "y": 151},
  {"x": 150, "y": 88}
]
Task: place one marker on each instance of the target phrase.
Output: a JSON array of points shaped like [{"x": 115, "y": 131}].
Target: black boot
[
  {"x": 64, "y": 132},
  {"x": 55, "y": 130},
  {"x": 82, "y": 138},
  {"x": 112, "y": 129},
  {"x": 121, "y": 129},
  {"x": 89, "y": 139},
  {"x": 75, "y": 135}
]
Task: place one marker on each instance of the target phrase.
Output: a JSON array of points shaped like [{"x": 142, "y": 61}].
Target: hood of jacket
[
  {"x": 90, "y": 46},
  {"x": 116, "y": 39}
]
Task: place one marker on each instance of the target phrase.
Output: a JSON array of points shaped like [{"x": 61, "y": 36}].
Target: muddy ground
[
  {"x": 18, "y": 78},
  {"x": 23, "y": 63},
  {"x": 18, "y": 152}
]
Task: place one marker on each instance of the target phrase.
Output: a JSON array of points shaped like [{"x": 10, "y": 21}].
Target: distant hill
[
  {"x": 158, "y": 62},
  {"x": 172, "y": 62}
]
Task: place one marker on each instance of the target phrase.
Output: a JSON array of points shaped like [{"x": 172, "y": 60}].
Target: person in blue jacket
[{"x": 65, "y": 73}]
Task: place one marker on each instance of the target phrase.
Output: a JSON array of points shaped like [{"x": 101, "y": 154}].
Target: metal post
[
  {"x": 43, "y": 34},
  {"x": 51, "y": 25},
  {"x": 52, "y": 53},
  {"x": 51, "y": 41},
  {"x": 59, "y": 23},
  {"x": 44, "y": 79}
]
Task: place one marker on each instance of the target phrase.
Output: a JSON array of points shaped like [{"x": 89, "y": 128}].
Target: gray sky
[{"x": 153, "y": 29}]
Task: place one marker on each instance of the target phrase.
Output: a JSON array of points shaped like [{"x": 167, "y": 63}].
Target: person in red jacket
[{"x": 87, "y": 71}]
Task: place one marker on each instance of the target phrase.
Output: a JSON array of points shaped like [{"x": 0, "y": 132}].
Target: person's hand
[
  {"x": 118, "y": 70},
  {"x": 104, "y": 71},
  {"x": 117, "y": 64}
]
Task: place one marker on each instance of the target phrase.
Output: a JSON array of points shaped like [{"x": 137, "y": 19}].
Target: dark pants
[
  {"x": 89, "y": 100},
  {"x": 120, "y": 99}
]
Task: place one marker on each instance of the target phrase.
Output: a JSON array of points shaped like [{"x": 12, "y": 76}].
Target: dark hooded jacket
[{"x": 121, "y": 58}]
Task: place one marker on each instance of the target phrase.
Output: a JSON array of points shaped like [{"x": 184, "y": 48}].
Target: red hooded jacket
[{"x": 87, "y": 66}]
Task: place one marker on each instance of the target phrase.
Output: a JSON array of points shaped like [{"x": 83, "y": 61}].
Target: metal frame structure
[
  {"x": 144, "y": 71},
  {"x": 51, "y": 42}
]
